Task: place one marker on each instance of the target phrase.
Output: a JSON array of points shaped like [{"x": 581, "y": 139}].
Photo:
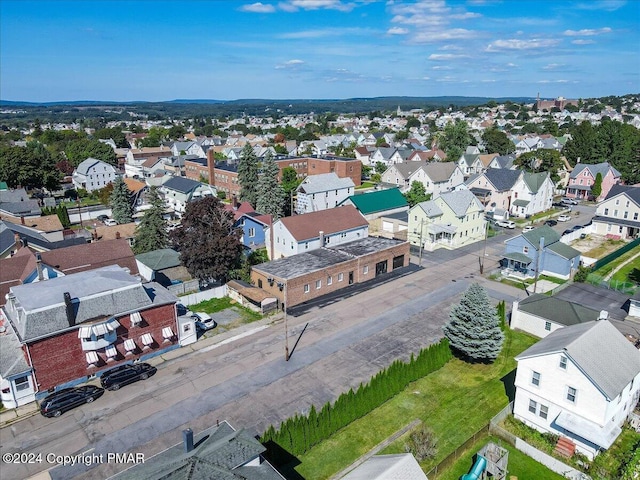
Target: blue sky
[{"x": 162, "y": 50}]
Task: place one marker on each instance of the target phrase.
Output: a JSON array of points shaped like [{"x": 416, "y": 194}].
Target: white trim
[
  {"x": 167, "y": 333},
  {"x": 130, "y": 345},
  {"x": 146, "y": 339},
  {"x": 92, "y": 358}
]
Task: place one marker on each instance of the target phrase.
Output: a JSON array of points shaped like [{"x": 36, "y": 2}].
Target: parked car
[
  {"x": 506, "y": 224},
  {"x": 182, "y": 310},
  {"x": 102, "y": 218},
  {"x": 567, "y": 231},
  {"x": 551, "y": 223},
  {"x": 528, "y": 228},
  {"x": 203, "y": 321},
  {"x": 63, "y": 400},
  {"x": 110, "y": 222},
  {"x": 569, "y": 201},
  {"x": 125, "y": 374},
  {"x": 577, "y": 227},
  {"x": 564, "y": 218}
]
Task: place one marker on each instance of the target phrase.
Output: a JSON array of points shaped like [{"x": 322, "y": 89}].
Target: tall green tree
[
  {"x": 582, "y": 146},
  {"x": 473, "y": 328},
  {"x": 596, "y": 188},
  {"x": 79, "y": 150},
  {"x": 271, "y": 196},
  {"x": 248, "y": 175},
  {"x": 416, "y": 194},
  {"x": 541, "y": 160},
  {"x": 208, "y": 242},
  {"x": 496, "y": 141},
  {"x": 290, "y": 182},
  {"x": 119, "y": 200},
  {"x": 31, "y": 166},
  {"x": 151, "y": 234},
  {"x": 454, "y": 139}
]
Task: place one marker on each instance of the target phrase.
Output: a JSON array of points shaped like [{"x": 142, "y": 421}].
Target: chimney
[
  {"x": 39, "y": 267},
  {"x": 22, "y": 219},
  {"x": 604, "y": 315},
  {"x": 321, "y": 234},
  {"x": 18, "y": 242},
  {"x": 69, "y": 308},
  {"x": 117, "y": 235},
  {"x": 211, "y": 165},
  {"x": 234, "y": 201},
  {"x": 187, "y": 437}
]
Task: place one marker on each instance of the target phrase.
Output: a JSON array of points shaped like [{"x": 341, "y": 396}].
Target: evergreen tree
[
  {"x": 473, "y": 329},
  {"x": 248, "y": 175},
  {"x": 454, "y": 140},
  {"x": 120, "y": 203},
  {"x": 596, "y": 188},
  {"x": 496, "y": 141},
  {"x": 271, "y": 196},
  {"x": 151, "y": 233}
]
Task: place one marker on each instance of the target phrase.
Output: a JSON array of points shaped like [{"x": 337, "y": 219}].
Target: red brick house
[{"x": 63, "y": 331}]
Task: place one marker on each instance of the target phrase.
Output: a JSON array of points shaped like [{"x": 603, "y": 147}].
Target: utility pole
[
  {"x": 282, "y": 286},
  {"x": 540, "y": 249},
  {"x": 421, "y": 243},
  {"x": 484, "y": 250}
]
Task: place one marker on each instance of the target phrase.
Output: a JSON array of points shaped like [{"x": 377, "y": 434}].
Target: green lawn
[
  {"x": 623, "y": 274},
  {"x": 219, "y": 304},
  {"x": 518, "y": 464},
  {"x": 454, "y": 402}
]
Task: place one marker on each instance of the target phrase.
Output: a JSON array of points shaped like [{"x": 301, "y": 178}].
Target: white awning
[
  {"x": 135, "y": 318},
  {"x": 129, "y": 345},
  {"x": 167, "y": 332},
  {"x": 84, "y": 332},
  {"x": 111, "y": 351},
  {"x": 146, "y": 339},
  {"x": 603, "y": 436},
  {"x": 92, "y": 358},
  {"x": 99, "y": 329},
  {"x": 112, "y": 324}
]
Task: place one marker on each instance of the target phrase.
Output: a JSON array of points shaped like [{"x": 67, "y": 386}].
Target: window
[
  {"x": 525, "y": 249},
  {"x": 533, "y": 406},
  {"x": 340, "y": 277},
  {"x": 252, "y": 232},
  {"x": 21, "y": 383},
  {"x": 635, "y": 215},
  {"x": 306, "y": 288},
  {"x": 563, "y": 362},
  {"x": 547, "y": 326},
  {"x": 535, "y": 379},
  {"x": 606, "y": 211},
  {"x": 571, "y": 394},
  {"x": 329, "y": 280},
  {"x": 615, "y": 212},
  {"x": 365, "y": 269},
  {"x": 544, "y": 411},
  {"x": 625, "y": 215},
  {"x": 318, "y": 284}
]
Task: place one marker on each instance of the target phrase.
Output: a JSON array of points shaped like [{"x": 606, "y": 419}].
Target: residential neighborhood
[{"x": 260, "y": 281}]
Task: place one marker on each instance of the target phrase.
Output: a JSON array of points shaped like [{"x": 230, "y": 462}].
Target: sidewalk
[{"x": 203, "y": 345}]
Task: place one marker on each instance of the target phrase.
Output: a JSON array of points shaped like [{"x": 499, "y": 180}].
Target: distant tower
[{"x": 399, "y": 111}]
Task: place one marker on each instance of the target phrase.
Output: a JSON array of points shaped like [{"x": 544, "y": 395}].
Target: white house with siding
[{"x": 580, "y": 382}]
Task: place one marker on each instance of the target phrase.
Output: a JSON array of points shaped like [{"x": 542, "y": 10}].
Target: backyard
[
  {"x": 454, "y": 402},
  {"x": 226, "y": 313}
]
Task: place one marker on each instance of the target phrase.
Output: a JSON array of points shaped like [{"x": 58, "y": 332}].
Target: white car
[
  {"x": 528, "y": 228},
  {"x": 110, "y": 222},
  {"x": 506, "y": 224},
  {"x": 203, "y": 320},
  {"x": 564, "y": 218}
]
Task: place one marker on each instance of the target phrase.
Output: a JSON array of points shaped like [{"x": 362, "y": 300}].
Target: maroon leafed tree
[{"x": 207, "y": 240}]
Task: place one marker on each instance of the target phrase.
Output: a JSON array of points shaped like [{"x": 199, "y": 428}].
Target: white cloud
[
  {"x": 327, "y": 32},
  {"x": 553, "y": 66},
  {"x": 294, "y": 5},
  {"x": 511, "y": 65},
  {"x": 556, "y": 81},
  {"x": 581, "y": 41},
  {"x": 608, "y": 5},
  {"x": 587, "y": 32},
  {"x": 517, "y": 44},
  {"x": 439, "y": 57},
  {"x": 258, "y": 8},
  {"x": 445, "y": 35},
  {"x": 397, "y": 31},
  {"x": 465, "y": 16},
  {"x": 293, "y": 64},
  {"x": 441, "y": 67}
]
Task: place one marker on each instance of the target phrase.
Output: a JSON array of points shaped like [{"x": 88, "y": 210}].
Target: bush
[
  {"x": 582, "y": 274},
  {"x": 422, "y": 444}
]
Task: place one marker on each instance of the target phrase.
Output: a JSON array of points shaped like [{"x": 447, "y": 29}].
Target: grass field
[{"x": 454, "y": 402}]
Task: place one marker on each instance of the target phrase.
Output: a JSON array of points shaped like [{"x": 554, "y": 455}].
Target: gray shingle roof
[
  {"x": 598, "y": 349},
  {"x": 564, "y": 250},
  {"x": 601, "y": 168},
  {"x": 96, "y": 294},
  {"x": 160, "y": 259},
  {"x": 440, "y": 171},
  {"x": 632, "y": 192},
  {"x": 85, "y": 165},
  {"x": 409, "y": 168},
  {"x": 181, "y": 184},
  {"x": 324, "y": 182},
  {"x": 460, "y": 201},
  {"x": 502, "y": 179},
  {"x": 430, "y": 208},
  {"x": 549, "y": 234},
  {"x": 560, "y": 311},
  {"x": 535, "y": 180}
]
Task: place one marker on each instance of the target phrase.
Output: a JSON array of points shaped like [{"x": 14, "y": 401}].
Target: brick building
[
  {"x": 60, "y": 332},
  {"x": 310, "y": 275},
  {"x": 224, "y": 175}
]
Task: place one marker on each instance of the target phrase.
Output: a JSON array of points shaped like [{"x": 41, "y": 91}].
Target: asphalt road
[{"x": 339, "y": 342}]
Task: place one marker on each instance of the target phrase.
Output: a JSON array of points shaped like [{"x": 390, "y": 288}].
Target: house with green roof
[
  {"x": 532, "y": 193},
  {"x": 378, "y": 203},
  {"x": 541, "y": 251}
]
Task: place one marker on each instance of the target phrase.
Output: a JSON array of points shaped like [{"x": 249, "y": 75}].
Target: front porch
[{"x": 516, "y": 265}]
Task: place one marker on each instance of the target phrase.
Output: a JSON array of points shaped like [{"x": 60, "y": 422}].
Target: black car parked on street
[
  {"x": 125, "y": 374},
  {"x": 551, "y": 223},
  {"x": 61, "y": 401}
]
